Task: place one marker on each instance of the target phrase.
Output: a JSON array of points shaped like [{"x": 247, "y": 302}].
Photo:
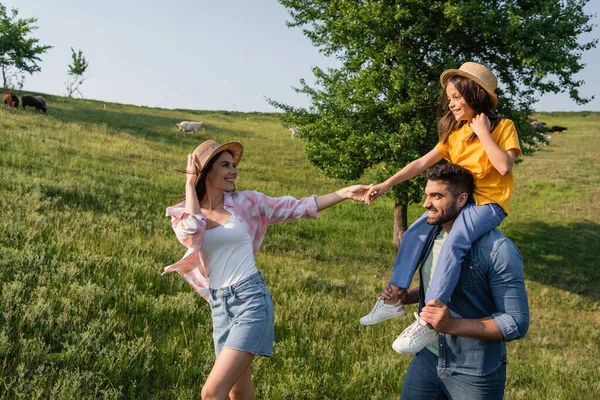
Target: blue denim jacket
[{"x": 491, "y": 284}]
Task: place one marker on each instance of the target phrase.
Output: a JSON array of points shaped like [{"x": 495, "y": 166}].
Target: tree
[
  {"x": 76, "y": 70},
  {"x": 18, "y": 51},
  {"x": 378, "y": 108}
]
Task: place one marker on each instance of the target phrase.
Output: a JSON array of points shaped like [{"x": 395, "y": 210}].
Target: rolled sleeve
[
  {"x": 288, "y": 208},
  {"x": 507, "y": 283},
  {"x": 189, "y": 228}
]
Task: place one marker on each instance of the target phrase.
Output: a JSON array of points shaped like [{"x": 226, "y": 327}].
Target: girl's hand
[
  {"x": 374, "y": 192},
  {"x": 481, "y": 125},
  {"x": 190, "y": 170}
]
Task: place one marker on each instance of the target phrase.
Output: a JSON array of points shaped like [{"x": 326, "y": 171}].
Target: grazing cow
[
  {"x": 11, "y": 99},
  {"x": 556, "y": 128},
  {"x": 537, "y": 125},
  {"x": 189, "y": 126},
  {"x": 28, "y": 100},
  {"x": 41, "y": 100},
  {"x": 293, "y": 131}
]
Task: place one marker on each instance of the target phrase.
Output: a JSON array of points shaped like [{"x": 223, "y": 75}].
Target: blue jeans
[
  {"x": 471, "y": 224},
  {"x": 422, "y": 382}
]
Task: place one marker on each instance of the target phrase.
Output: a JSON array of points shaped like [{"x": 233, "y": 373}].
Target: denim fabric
[
  {"x": 491, "y": 284},
  {"x": 470, "y": 224},
  {"x": 411, "y": 249},
  {"x": 243, "y": 317},
  {"x": 422, "y": 382}
]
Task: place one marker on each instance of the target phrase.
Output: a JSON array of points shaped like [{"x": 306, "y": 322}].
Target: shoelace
[
  {"x": 416, "y": 329},
  {"x": 378, "y": 305}
]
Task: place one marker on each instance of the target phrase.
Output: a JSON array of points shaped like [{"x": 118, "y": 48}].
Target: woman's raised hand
[
  {"x": 190, "y": 170},
  {"x": 374, "y": 192}
]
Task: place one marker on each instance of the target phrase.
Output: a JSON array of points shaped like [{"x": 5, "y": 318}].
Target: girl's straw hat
[
  {"x": 207, "y": 150},
  {"x": 478, "y": 73}
]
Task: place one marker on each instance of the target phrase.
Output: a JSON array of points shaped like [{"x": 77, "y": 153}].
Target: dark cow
[{"x": 28, "y": 100}]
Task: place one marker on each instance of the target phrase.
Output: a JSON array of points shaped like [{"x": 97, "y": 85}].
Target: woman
[{"x": 223, "y": 231}]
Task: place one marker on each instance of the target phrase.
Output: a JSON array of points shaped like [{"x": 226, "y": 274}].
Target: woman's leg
[
  {"x": 243, "y": 389},
  {"x": 471, "y": 223},
  {"x": 230, "y": 366}
]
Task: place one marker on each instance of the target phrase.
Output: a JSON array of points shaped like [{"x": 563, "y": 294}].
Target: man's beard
[{"x": 441, "y": 218}]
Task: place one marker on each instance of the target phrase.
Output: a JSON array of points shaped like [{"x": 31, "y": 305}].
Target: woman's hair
[
  {"x": 475, "y": 96},
  {"x": 201, "y": 183}
]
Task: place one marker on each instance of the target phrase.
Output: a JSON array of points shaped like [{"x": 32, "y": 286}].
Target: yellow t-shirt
[{"x": 490, "y": 186}]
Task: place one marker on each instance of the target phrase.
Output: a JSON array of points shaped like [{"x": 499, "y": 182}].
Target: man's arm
[
  {"x": 438, "y": 315},
  {"x": 507, "y": 283}
]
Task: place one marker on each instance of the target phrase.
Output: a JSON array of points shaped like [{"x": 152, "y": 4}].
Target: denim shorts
[{"x": 243, "y": 317}]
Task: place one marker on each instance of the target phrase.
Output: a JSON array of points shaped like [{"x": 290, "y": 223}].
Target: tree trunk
[
  {"x": 400, "y": 222},
  {"x": 4, "y": 76}
]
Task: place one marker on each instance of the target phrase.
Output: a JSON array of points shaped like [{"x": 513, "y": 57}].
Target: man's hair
[{"x": 458, "y": 179}]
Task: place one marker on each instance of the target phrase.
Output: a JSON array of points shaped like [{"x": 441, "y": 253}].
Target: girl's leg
[
  {"x": 471, "y": 223},
  {"x": 410, "y": 251},
  {"x": 230, "y": 366}
]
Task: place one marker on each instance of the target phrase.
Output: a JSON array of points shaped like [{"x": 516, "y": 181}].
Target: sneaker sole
[{"x": 369, "y": 323}]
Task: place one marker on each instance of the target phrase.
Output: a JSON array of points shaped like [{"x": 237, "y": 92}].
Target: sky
[{"x": 201, "y": 54}]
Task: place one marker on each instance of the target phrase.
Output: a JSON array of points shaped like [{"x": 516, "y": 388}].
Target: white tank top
[{"x": 228, "y": 254}]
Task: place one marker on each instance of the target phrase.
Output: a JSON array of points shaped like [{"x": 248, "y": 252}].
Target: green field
[{"x": 83, "y": 240}]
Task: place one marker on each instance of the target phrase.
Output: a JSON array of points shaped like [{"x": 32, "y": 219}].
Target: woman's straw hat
[
  {"x": 207, "y": 150},
  {"x": 478, "y": 73}
]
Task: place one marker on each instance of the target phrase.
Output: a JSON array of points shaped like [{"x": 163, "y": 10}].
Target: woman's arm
[
  {"x": 356, "y": 192},
  {"x": 411, "y": 170},
  {"x": 502, "y": 160},
  {"x": 192, "y": 205}
]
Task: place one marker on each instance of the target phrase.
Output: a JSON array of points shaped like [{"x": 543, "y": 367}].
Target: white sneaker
[
  {"x": 382, "y": 312},
  {"x": 414, "y": 338}
]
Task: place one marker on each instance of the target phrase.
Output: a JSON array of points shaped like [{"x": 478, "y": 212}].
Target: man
[{"x": 487, "y": 309}]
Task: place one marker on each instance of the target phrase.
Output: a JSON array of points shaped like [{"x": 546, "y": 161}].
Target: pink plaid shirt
[{"x": 254, "y": 209}]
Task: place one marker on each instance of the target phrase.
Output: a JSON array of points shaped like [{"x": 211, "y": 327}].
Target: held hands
[
  {"x": 355, "y": 192},
  {"x": 437, "y": 315},
  {"x": 481, "y": 125},
  {"x": 374, "y": 192}
]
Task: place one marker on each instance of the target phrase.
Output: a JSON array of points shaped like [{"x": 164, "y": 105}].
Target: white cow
[{"x": 189, "y": 126}]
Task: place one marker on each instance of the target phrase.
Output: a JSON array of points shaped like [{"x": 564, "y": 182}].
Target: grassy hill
[{"x": 84, "y": 312}]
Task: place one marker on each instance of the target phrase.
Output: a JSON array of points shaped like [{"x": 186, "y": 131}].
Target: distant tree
[
  {"x": 18, "y": 51},
  {"x": 378, "y": 108},
  {"x": 76, "y": 71}
]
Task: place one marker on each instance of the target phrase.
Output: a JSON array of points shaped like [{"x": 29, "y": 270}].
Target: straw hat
[
  {"x": 478, "y": 73},
  {"x": 207, "y": 150}
]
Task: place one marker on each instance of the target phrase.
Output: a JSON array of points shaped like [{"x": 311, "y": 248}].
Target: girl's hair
[
  {"x": 475, "y": 96},
  {"x": 201, "y": 184}
]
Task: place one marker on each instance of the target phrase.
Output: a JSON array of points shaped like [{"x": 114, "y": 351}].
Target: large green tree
[
  {"x": 19, "y": 52},
  {"x": 378, "y": 108}
]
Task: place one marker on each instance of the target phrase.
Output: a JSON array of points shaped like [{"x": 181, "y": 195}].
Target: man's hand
[{"x": 437, "y": 315}]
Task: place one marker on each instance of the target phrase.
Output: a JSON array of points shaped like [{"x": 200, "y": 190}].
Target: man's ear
[{"x": 463, "y": 199}]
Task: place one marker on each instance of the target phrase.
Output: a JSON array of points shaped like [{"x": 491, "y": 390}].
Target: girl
[
  {"x": 223, "y": 231},
  {"x": 472, "y": 136}
]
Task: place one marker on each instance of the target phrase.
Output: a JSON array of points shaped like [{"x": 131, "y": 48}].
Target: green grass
[{"x": 84, "y": 312}]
